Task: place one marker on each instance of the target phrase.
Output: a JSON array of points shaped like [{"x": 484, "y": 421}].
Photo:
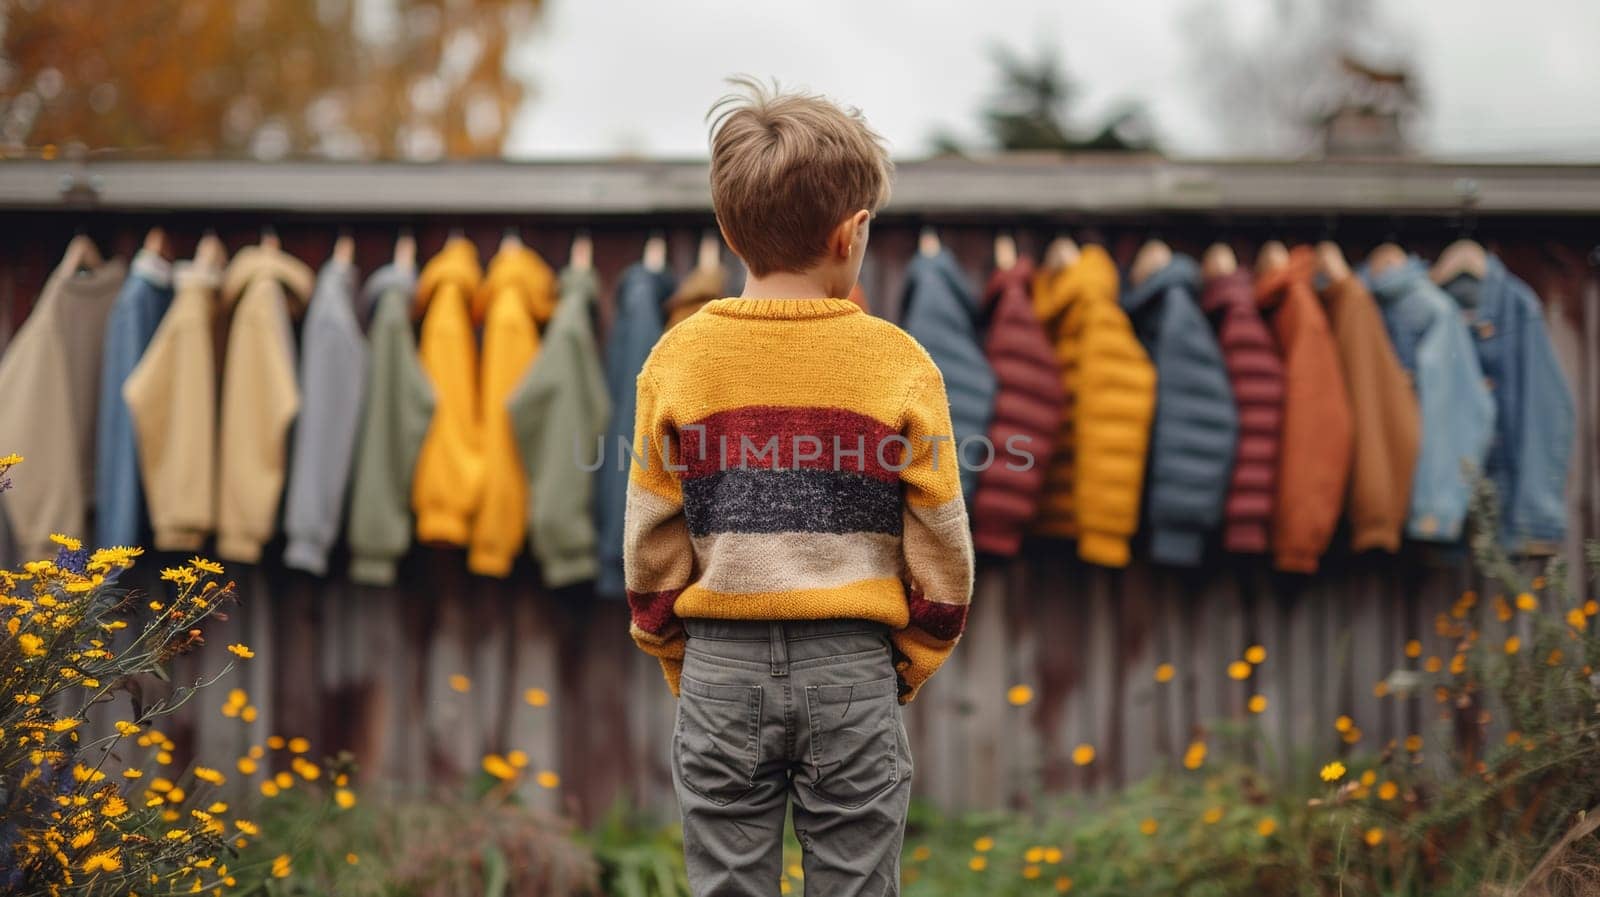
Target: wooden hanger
[
  {"x": 344, "y": 247},
  {"x": 581, "y": 257},
  {"x": 155, "y": 241},
  {"x": 1464, "y": 256},
  {"x": 1331, "y": 262},
  {"x": 405, "y": 250},
  {"x": 655, "y": 251},
  {"x": 1152, "y": 257},
  {"x": 1063, "y": 252},
  {"x": 81, "y": 254},
  {"x": 1005, "y": 252},
  {"x": 1272, "y": 256},
  {"x": 511, "y": 239},
  {"x": 1385, "y": 256},
  {"x": 1219, "y": 261},
  {"x": 710, "y": 255},
  {"x": 209, "y": 253}
]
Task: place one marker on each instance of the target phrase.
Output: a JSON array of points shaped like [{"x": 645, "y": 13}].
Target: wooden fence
[{"x": 421, "y": 680}]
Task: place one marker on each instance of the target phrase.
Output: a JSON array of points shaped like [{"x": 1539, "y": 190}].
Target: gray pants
[{"x": 808, "y": 710}]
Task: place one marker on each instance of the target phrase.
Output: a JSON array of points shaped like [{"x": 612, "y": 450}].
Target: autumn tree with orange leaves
[{"x": 348, "y": 79}]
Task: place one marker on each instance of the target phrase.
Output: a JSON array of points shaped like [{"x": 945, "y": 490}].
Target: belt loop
[{"x": 778, "y": 645}]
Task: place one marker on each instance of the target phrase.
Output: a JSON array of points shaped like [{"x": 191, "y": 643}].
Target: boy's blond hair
[{"x": 786, "y": 168}]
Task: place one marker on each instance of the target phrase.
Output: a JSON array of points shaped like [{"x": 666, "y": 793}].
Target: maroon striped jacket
[
  {"x": 1028, "y": 403},
  {"x": 1256, "y": 373}
]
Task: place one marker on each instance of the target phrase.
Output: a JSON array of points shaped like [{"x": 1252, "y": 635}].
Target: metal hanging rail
[{"x": 1016, "y": 184}]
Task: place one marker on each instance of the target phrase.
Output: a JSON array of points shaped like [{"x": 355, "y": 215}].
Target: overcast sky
[{"x": 1513, "y": 80}]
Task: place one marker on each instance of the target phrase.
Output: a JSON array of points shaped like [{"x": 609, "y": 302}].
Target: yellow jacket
[
  {"x": 1095, "y": 477},
  {"x": 449, "y": 476},
  {"x": 516, "y": 297}
]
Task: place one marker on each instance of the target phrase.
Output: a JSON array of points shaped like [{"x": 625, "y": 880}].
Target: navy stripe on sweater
[{"x": 795, "y": 501}]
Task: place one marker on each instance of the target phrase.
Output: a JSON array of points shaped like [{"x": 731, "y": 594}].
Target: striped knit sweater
[{"x": 792, "y": 460}]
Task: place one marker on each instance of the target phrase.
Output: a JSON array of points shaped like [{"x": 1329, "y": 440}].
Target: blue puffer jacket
[
  {"x": 634, "y": 330},
  {"x": 1431, "y": 339},
  {"x": 940, "y": 310},
  {"x": 1196, "y": 426},
  {"x": 1533, "y": 406}
]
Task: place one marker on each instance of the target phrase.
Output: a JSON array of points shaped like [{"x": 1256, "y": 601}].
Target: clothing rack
[{"x": 1025, "y": 184}]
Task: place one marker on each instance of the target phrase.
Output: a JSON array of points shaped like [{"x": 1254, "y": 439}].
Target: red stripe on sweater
[
  {"x": 743, "y": 438},
  {"x": 936, "y": 618},
  {"x": 652, "y": 611}
]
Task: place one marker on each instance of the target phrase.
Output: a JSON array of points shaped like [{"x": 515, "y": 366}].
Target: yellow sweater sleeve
[
  {"x": 657, "y": 555},
  {"x": 449, "y": 477},
  {"x": 260, "y": 398},
  {"x": 510, "y": 346},
  {"x": 936, "y": 539}
]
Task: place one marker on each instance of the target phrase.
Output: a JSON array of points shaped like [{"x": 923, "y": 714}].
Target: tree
[
  {"x": 1030, "y": 111},
  {"x": 414, "y": 79},
  {"x": 1322, "y": 76}
]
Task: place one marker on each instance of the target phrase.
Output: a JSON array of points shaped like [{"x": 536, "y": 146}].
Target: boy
[{"x": 797, "y": 552}]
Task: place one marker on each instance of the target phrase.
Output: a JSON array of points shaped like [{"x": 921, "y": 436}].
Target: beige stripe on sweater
[{"x": 747, "y": 563}]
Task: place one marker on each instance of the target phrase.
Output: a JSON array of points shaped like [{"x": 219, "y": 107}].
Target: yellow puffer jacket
[
  {"x": 514, "y": 300},
  {"x": 449, "y": 479},
  {"x": 1095, "y": 477}
]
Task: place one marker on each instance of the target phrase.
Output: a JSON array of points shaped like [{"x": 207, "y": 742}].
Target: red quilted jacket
[
  {"x": 1028, "y": 403},
  {"x": 1256, "y": 373}
]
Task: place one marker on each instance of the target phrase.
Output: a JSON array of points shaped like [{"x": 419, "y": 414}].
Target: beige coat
[{"x": 49, "y": 381}]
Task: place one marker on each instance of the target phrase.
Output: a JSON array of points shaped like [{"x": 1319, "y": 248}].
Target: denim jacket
[
  {"x": 1433, "y": 343},
  {"x": 1196, "y": 428},
  {"x": 119, "y": 500},
  {"x": 1533, "y": 406}
]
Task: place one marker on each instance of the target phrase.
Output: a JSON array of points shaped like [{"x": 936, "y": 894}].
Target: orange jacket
[
  {"x": 1096, "y": 475},
  {"x": 1314, "y": 457}
]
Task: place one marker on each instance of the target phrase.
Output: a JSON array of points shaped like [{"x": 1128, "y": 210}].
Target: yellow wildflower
[
  {"x": 218, "y": 807},
  {"x": 1063, "y": 885},
  {"x": 1388, "y": 790},
  {"x": 207, "y": 774},
  {"x": 1577, "y": 619},
  {"x": 1333, "y": 772},
  {"x": 1083, "y": 754},
  {"x": 921, "y": 853},
  {"x": 1255, "y": 654},
  {"x": 1052, "y": 855},
  {"x": 113, "y": 806},
  {"x": 536, "y": 697},
  {"x": 1030, "y": 871},
  {"x": 205, "y": 566},
  {"x": 32, "y": 645},
  {"x": 978, "y": 863},
  {"x": 242, "y": 651},
  {"x": 1513, "y": 645},
  {"x": 132, "y": 773},
  {"x": 269, "y": 788},
  {"x": 1526, "y": 601},
  {"x": 1433, "y": 664},
  {"x": 1211, "y": 816},
  {"x": 299, "y": 745},
  {"x": 276, "y": 742},
  {"x": 1149, "y": 826},
  {"x": 1239, "y": 670},
  {"x": 66, "y": 542},
  {"x": 1343, "y": 723},
  {"x": 281, "y": 866},
  {"x": 351, "y": 858},
  {"x": 284, "y": 779},
  {"x": 460, "y": 683},
  {"x": 246, "y": 826},
  {"x": 1195, "y": 755},
  {"x": 496, "y": 765},
  {"x": 345, "y": 798},
  {"x": 1165, "y": 672},
  {"x": 1374, "y": 837},
  {"x": 1413, "y": 648},
  {"x": 247, "y": 766},
  {"x": 1018, "y": 695},
  {"x": 518, "y": 759},
  {"x": 547, "y": 779},
  {"x": 1266, "y": 827},
  {"x": 984, "y": 844},
  {"x": 1413, "y": 743},
  {"x": 104, "y": 861},
  {"x": 1257, "y": 704}
]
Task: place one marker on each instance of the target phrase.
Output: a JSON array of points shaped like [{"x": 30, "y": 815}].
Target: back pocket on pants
[
  {"x": 854, "y": 732},
  {"x": 716, "y": 746}
]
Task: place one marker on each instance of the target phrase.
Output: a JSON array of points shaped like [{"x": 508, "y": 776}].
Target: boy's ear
[{"x": 850, "y": 230}]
